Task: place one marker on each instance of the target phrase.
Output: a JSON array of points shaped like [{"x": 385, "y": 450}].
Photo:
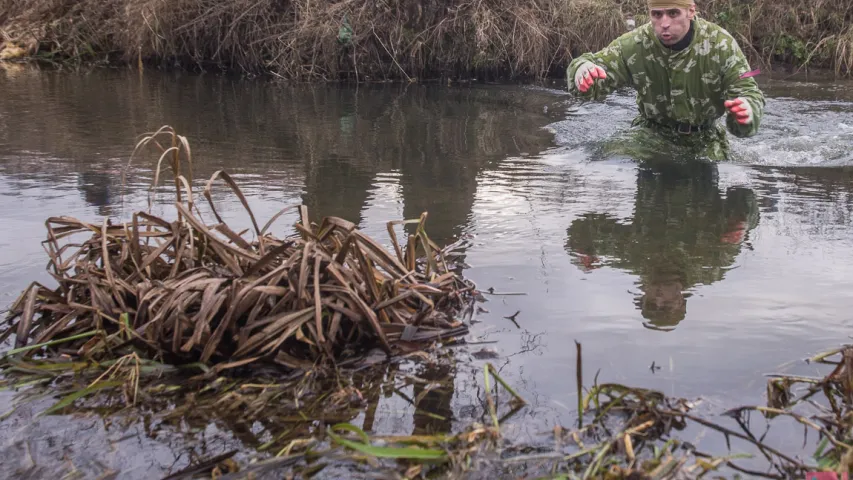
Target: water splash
[{"x": 794, "y": 132}]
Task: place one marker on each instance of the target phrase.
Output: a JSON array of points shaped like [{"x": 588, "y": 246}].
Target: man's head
[
  {"x": 671, "y": 19},
  {"x": 663, "y": 302}
]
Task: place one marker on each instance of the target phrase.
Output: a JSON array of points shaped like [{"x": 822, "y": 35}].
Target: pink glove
[
  {"x": 586, "y": 74},
  {"x": 741, "y": 109}
]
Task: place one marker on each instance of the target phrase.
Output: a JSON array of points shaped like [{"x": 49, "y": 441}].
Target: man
[{"x": 687, "y": 72}]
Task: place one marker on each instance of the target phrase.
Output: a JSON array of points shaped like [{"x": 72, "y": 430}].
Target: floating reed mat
[{"x": 190, "y": 291}]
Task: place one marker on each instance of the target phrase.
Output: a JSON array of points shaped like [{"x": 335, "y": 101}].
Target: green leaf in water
[
  {"x": 157, "y": 389},
  {"x": 125, "y": 325},
  {"x": 412, "y": 453},
  {"x": 29, "y": 383},
  {"x": 199, "y": 365},
  {"x": 823, "y": 443},
  {"x": 70, "y": 398},
  {"x": 8, "y": 414},
  {"x": 55, "y": 366},
  {"x": 52, "y": 342}
]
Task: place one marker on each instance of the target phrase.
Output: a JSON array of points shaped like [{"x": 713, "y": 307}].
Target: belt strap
[{"x": 685, "y": 128}]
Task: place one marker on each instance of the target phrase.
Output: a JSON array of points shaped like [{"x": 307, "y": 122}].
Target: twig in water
[
  {"x": 737, "y": 411},
  {"x": 491, "y": 368},
  {"x": 492, "y": 291},
  {"x": 733, "y": 433},
  {"x": 512, "y": 318},
  {"x": 731, "y": 464},
  {"x": 491, "y": 403},
  {"x": 795, "y": 378},
  {"x": 822, "y": 356},
  {"x": 579, "y": 372}
]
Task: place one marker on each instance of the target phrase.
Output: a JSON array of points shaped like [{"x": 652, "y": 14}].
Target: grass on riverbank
[{"x": 400, "y": 39}]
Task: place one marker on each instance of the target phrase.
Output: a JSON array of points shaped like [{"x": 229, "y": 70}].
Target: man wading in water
[{"x": 687, "y": 72}]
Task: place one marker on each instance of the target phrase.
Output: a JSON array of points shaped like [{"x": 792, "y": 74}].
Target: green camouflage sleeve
[
  {"x": 611, "y": 59},
  {"x": 733, "y": 86}
]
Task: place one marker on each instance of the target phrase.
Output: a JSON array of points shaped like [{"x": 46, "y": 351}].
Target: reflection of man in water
[
  {"x": 683, "y": 233},
  {"x": 96, "y": 189}
]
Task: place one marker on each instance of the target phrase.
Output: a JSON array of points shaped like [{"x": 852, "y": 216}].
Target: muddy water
[{"x": 717, "y": 274}]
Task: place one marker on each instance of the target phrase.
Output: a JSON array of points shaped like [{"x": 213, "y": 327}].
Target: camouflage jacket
[{"x": 687, "y": 86}]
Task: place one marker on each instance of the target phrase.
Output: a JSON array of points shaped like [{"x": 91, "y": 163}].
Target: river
[{"x": 717, "y": 273}]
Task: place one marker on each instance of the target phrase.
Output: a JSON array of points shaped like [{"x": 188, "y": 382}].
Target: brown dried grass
[
  {"x": 398, "y": 39},
  {"x": 801, "y": 33},
  {"x": 188, "y": 290},
  {"x": 299, "y": 39}
]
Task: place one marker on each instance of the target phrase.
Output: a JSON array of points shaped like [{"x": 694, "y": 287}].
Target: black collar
[{"x": 684, "y": 42}]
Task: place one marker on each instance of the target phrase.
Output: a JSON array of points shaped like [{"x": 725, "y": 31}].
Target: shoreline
[
  {"x": 778, "y": 71},
  {"x": 411, "y": 41}
]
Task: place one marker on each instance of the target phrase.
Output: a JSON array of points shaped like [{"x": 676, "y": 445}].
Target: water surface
[{"x": 717, "y": 273}]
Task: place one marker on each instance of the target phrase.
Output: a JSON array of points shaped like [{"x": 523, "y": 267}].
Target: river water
[{"x": 717, "y": 273}]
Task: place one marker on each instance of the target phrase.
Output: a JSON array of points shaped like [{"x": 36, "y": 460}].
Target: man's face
[{"x": 671, "y": 24}]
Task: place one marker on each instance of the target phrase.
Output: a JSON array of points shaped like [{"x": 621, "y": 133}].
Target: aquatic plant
[
  {"x": 306, "y": 423},
  {"x": 186, "y": 290}
]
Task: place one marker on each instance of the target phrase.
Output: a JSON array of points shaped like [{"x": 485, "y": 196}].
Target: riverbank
[{"x": 410, "y": 40}]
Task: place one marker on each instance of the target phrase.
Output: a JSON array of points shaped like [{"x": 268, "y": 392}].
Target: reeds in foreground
[{"x": 186, "y": 290}]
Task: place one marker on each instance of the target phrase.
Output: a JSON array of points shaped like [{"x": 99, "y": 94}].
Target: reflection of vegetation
[
  {"x": 433, "y": 396},
  {"x": 267, "y": 413},
  {"x": 97, "y": 190},
  {"x": 329, "y": 145},
  {"x": 307, "y": 424},
  {"x": 683, "y": 233}
]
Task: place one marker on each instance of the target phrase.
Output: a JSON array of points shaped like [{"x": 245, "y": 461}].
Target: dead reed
[
  {"x": 402, "y": 39},
  {"x": 308, "y": 422},
  {"x": 186, "y": 290},
  {"x": 821, "y": 405}
]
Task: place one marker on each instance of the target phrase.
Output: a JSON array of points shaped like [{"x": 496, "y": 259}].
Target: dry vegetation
[
  {"x": 396, "y": 39},
  {"x": 187, "y": 290},
  {"x": 306, "y": 425}
]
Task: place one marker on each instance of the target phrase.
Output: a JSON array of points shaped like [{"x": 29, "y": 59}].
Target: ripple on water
[{"x": 719, "y": 273}]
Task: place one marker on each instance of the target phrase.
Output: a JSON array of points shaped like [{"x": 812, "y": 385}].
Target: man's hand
[
  {"x": 741, "y": 109},
  {"x": 735, "y": 233},
  {"x": 586, "y": 75}
]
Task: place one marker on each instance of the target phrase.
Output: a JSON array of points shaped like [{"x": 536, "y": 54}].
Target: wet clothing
[{"x": 680, "y": 92}]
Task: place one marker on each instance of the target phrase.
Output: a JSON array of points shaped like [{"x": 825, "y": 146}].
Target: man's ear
[{"x": 691, "y": 12}]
